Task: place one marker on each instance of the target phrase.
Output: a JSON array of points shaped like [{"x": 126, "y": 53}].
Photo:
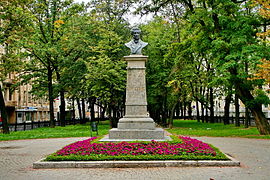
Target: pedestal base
[
  {"x": 136, "y": 123},
  {"x": 116, "y": 133}
]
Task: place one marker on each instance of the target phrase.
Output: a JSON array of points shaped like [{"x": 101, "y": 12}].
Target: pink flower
[{"x": 188, "y": 145}]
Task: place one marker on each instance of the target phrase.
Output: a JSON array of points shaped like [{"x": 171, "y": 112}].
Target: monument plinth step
[
  {"x": 136, "y": 123},
  {"x": 116, "y": 133}
]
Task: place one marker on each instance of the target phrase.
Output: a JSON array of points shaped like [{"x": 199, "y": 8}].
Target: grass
[
  {"x": 181, "y": 127},
  {"x": 194, "y": 128},
  {"x": 79, "y": 130}
]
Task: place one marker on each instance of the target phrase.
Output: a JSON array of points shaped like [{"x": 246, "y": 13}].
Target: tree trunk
[
  {"x": 236, "y": 104},
  {"x": 202, "y": 110},
  {"x": 177, "y": 110},
  {"x": 92, "y": 108},
  {"x": 83, "y": 111},
  {"x": 123, "y": 109},
  {"x": 73, "y": 108},
  {"x": 189, "y": 110},
  {"x": 155, "y": 114},
  {"x": 114, "y": 117},
  {"x": 211, "y": 99},
  {"x": 247, "y": 118},
  {"x": 50, "y": 89},
  {"x": 198, "y": 111},
  {"x": 202, "y": 92},
  {"x": 206, "y": 115},
  {"x": 118, "y": 112},
  {"x": 152, "y": 113},
  {"x": 79, "y": 109},
  {"x": 110, "y": 115},
  {"x": 260, "y": 120},
  {"x": 207, "y": 106},
  {"x": 181, "y": 110},
  {"x": 185, "y": 110},
  {"x": 255, "y": 108},
  {"x": 3, "y": 113},
  {"x": 171, "y": 115},
  {"x": 62, "y": 108},
  {"x": 227, "y": 109},
  {"x": 102, "y": 114},
  {"x": 164, "y": 114}
]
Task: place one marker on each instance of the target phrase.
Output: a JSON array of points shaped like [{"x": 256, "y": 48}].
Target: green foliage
[
  {"x": 53, "y": 39},
  {"x": 193, "y": 48},
  {"x": 100, "y": 157},
  {"x": 70, "y": 48},
  {"x": 218, "y": 50},
  {"x": 159, "y": 34},
  {"x": 261, "y": 98},
  {"x": 106, "y": 74},
  {"x": 13, "y": 22},
  {"x": 100, "y": 70},
  {"x": 106, "y": 79}
]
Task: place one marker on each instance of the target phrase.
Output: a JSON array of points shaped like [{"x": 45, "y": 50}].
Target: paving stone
[{"x": 16, "y": 163}]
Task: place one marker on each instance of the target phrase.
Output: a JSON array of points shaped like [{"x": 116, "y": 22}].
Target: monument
[{"x": 136, "y": 124}]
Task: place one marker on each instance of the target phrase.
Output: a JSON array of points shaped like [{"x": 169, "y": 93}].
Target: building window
[
  {"x": 10, "y": 94},
  {"x": 20, "y": 117},
  {"x": 24, "y": 96},
  {"x": 29, "y": 98},
  {"x": 6, "y": 93},
  {"x": 19, "y": 97}
]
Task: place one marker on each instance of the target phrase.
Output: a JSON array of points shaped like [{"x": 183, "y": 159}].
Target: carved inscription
[{"x": 136, "y": 91}]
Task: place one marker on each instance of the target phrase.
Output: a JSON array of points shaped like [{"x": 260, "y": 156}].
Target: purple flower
[{"x": 187, "y": 146}]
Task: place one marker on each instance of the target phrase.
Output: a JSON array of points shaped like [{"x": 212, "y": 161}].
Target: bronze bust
[{"x": 136, "y": 44}]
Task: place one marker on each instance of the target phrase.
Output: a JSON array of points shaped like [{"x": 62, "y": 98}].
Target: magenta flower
[{"x": 188, "y": 145}]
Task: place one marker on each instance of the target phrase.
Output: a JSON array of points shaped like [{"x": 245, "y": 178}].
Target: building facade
[
  {"x": 220, "y": 105},
  {"x": 21, "y": 106}
]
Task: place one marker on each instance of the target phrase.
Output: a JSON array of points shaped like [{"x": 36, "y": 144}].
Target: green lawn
[
  {"x": 181, "y": 127},
  {"x": 194, "y": 128},
  {"x": 79, "y": 130}
]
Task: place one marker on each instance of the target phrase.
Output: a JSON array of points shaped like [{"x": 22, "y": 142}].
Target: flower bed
[{"x": 179, "y": 148}]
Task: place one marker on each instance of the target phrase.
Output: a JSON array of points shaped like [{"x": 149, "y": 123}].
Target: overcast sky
[{"x": 133, "y": 20}]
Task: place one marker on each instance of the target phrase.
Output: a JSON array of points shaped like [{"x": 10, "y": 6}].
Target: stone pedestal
[{"x": 136, "y": 124}]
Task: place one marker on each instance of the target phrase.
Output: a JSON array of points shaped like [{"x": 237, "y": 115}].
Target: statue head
[
  {"x": 136, "y": 45},
  {"x": 135, "y": 32}
]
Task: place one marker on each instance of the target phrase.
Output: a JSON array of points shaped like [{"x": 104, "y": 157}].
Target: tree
[
  {"x": 264, "y": 67},
  {"x": 225, "y": 37},
  {"x": 239, "y": 47},
  {"x": 13, "y": 20},
  {"x": 106, "y": 69},
  {"x": 263, "y": 72},
  {"x": 51, "y": 40},
  {"x": 159, "y": 34},
  {"x": 107, "y": 75}
]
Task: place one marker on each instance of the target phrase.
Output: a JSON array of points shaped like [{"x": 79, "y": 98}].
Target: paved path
[{"x": 16, "y": 158}]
